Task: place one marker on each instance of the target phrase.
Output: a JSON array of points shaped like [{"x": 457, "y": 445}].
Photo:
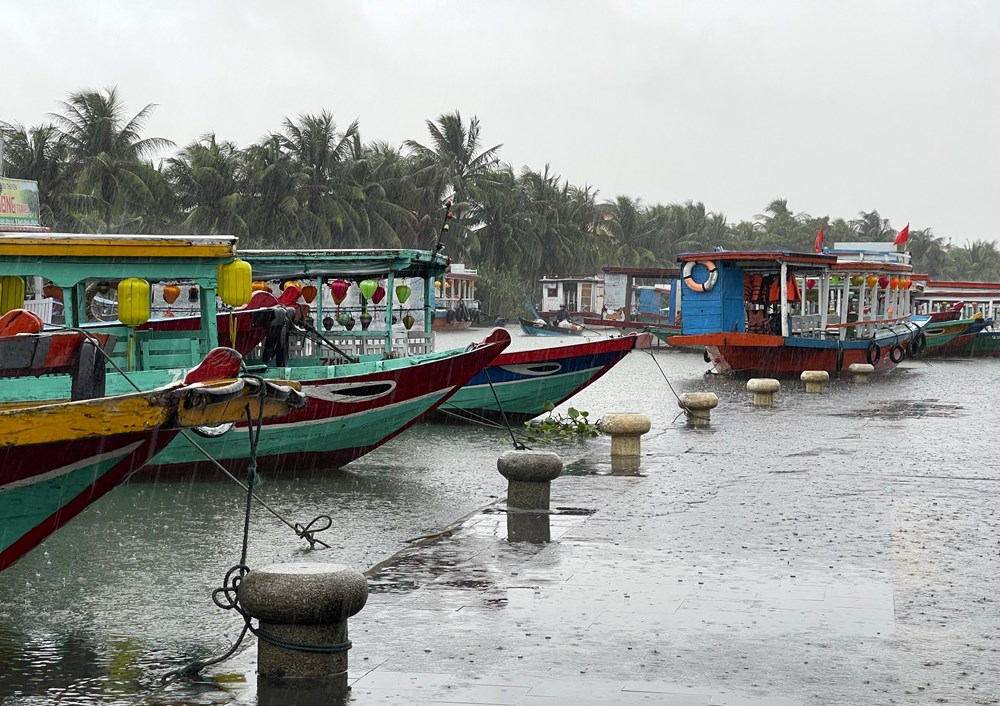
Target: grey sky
[{"x": 836, "y": 106}]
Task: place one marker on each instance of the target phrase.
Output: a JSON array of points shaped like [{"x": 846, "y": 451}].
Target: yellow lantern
[
  {"x": 235, "y": 282},
  {"x": 872, "y": 280},
  {"x": 11, "y": 294},
  {"x": 259, "y": 286},
  {"x": 133, "y": 301}
]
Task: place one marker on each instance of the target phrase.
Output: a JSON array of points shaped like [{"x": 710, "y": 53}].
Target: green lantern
[
  {"x": 402, "y": 293},
  {"x": 367, "y": 287}
]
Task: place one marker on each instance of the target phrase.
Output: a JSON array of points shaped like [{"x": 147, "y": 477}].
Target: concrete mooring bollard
[
  {"x": 814, "y": 380},
  {"x": 626, "y": 430},
  {"x": 699, "y": 406},
  {"x": 763, "y": 390},
  {"x": 861, "y": 371},
  {"x": 529, "y": 476},
  {"x": 303, "y": 609}
]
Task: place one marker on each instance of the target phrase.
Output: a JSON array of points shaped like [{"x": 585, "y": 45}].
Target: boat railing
[
  {"x": 863, "y": 329},
  {"x": 358, "y": 343}
]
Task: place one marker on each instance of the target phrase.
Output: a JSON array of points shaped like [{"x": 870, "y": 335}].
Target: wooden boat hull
[
  {"x": 960, "y": 343},
  {"x": 942, "y": 335},
  {"x": 56, "y": 459},
  {"x": 762, "y": 355},
  {"x": 347, "y": 415},
  {"x": 440, "y": 323},
  {"x": 524, "y": 381},
  {"x": 535, "y": 328}
]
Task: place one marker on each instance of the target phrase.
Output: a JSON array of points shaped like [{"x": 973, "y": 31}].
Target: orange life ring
[{"x": 706, "y": 286}]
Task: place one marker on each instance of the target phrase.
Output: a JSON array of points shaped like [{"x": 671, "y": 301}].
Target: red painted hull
[
  {"x": 761, "y": 355},
  {"x": 25, "y": 465},
  {"x": 444, "y": 325}
]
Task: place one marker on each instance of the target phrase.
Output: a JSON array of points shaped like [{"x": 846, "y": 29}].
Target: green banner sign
[{"x": 18, "y": 203}]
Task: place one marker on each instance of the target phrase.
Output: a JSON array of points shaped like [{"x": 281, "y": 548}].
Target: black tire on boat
[
  {"x": 873, "y": 353},
  {"x": 896, "y": 353},
  {"x": 89, "y": 373}
]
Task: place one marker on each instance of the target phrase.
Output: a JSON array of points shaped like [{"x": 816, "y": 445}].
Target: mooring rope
[
  {"x": 518, "y": 446},
  {"x": 306, "y": 532}
]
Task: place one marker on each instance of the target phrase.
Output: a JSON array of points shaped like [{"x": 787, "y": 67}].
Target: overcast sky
[{"x": 837, "y": 106}]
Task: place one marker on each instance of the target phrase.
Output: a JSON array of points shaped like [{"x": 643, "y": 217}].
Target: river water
[{"x": 121, "y": 595}]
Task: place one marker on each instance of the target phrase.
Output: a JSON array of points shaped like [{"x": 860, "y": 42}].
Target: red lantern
[
  {"x": 883, "y": 281},
  {"x": 378, "y": 295},
  {"x": 810, "y": 283},
  {"x": 338, "y": 289},
  {"x": 309, "y": 293}
]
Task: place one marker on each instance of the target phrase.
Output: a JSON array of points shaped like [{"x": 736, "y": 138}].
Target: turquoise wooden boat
[
  {"x": 523, "y": 381},
  {"x": 355, "y": 403},
  {"x": 58, "y": 458}
]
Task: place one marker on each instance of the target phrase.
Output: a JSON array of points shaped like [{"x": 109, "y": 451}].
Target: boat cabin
[
  {"x": 976, "y": 298},
  {"x": 370, "y": 302},
  {"x": 840, "y": 294}
]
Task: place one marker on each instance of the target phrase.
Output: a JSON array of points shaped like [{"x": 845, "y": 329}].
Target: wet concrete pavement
[{"x": 799, "y": 569}]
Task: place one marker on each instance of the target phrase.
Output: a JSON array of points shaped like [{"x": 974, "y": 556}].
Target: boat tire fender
[
  {"x": 706, "y": 356},
  {"x": 896, "y": 353},
  {"x": 873, "y": 354},
  {"x": 89, "y": 373},
  {"x": 706, "y": 286}
]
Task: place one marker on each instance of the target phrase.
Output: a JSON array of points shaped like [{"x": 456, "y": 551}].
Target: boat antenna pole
[{"x": 448, "y": 215}]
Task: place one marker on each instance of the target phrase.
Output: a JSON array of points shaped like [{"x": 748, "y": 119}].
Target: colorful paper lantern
[
  {"x": 234, "y": 282},
  {"x": 872, "y": 280},
  {"x": 338, "y": 290},
  {"x": 836, "y": 280},
  {"x": 259, "y": 286},
  {"x": 11, "y": 294},
  {"x": 367, "y": 287},
  {"x": 810, "y": 283},
  {"x": 309, "y": 293},
  {"x": 408, "y": 321},
  {"x": 856, "y": 280},
  {"x": 133, "y": 301},
  {"x": 378, "y": 295},
  {"x": 403, "y": 292},
  {"x": 883, "y": 281},
  {"x": 893, "y": 283},
  {"x": 170, "y": 293}
]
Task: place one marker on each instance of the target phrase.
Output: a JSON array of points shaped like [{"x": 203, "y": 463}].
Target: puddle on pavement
[{"x": 904, "y": 409}]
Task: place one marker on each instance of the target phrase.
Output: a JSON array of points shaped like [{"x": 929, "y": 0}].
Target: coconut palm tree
[
  {"x": 630, "y": 232},
  {"x": 318, "y": 151},
  {"x": 206, "y": 177},
  {"x": 105, "y": 149},
  {"x": 271, "y": 207},
  {"x": 451, "y": 168}
]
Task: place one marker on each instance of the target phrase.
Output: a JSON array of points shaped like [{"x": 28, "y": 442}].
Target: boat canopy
[
  {"x": 294, "y": 264},
  {"x": 66, "y": 259}
]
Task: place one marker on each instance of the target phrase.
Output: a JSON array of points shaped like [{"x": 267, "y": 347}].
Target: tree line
[{"x": 315, "y": 184}]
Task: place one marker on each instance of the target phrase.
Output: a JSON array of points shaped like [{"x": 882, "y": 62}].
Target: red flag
[
  {"x": 902, "y": 236},
  {"x": 818, "y": 245}
]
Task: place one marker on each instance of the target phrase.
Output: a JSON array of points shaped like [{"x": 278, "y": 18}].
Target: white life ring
[{"x": 706, "y": 286}]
